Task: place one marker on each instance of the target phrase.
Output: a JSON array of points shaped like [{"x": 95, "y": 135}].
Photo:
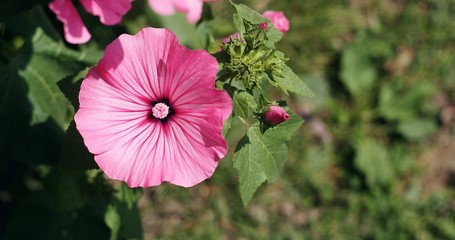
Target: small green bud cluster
[{"x": 250, "y": 60}]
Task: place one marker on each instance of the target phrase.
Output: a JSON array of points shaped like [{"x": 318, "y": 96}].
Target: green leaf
[
  {"x": 74, "y": 154},
  {"x": 44, "y": 95},
  {"x": 243, "y": 104},
  {"x": 373, "y": 160},
  {"x": 126, "y": 201},
  {"x": 41, "y": 63},
  {"x": 251, "y": 173},
  {"x": 417, "y": 129},
  {"x": 128, "y": 195},
  {"x": 260, "y": 157},
  {"x": 33, "y": 111},
  {"x": 71, "y": 85},
  {"x": 68, "y": 188},
  {"x": 404, "y": 104},
  {"x": 285, "y": 130},
  {"x": 357, "y": 71},
  {"x": 112, "y": 219},
  {"x": 226, "y": 126},
  {"x": 292, "y": 83},
  {"x": 242, "y": 13}
]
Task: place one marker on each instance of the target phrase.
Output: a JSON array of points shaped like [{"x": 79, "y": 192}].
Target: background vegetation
[{"x": 375, "y": 158}]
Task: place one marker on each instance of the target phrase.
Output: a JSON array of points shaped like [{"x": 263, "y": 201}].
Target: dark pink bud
[
  {"x": 276, "y": 115},
  {"x": 263, "y": 26}
]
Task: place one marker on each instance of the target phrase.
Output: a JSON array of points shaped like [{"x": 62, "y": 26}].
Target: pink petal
[
  {"x": 115, "y": 105},
  {"x": 75, "y": 31},
  {"x": 162, "y": 7},
  {"x": 109, "y": 11},
  {"x": 133, "y": 63},
  {"x": 192, "y": 9}
]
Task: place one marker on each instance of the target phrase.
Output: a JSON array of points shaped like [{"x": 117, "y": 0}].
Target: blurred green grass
[{"x": 375, "y": 158}]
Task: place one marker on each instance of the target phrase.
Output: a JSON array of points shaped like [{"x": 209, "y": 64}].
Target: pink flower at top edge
[
  {"x": 276, "y": 115},
  {"x": 192, "y": 8},
  {"x": 149, "y": 111},
  {"x": 109, "y": 12},
  {"x": 278, "y": 20}
]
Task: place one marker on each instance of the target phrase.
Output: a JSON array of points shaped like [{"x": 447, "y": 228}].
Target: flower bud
[
  {"x": 274, "y": 64},
  {"x": 263, "y": 26},
  {"x": 257, "y": 54},
  {"x": 276, "y": 115},
  {"x": 236, "y": 49}
]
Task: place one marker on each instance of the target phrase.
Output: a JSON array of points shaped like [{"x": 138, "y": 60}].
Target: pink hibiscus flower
[
  {"x": 192, "y": 8},
  {"x": 149, "y": 111},
  {"x": 279, "y": 21},
  {"x": 109, "y": 12}
]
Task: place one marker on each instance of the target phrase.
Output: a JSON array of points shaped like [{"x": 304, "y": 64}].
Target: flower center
[{"x": 160, "y": 110}]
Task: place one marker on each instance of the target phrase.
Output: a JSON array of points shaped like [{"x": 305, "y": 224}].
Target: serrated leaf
[
  {"x": 243, "y": 104},
  {"x": 292, "y": 83},
  {"x": 285, "y": 130},
  {"x": 242, "y": 12},
  {"x": 251, "y": 173},
  {"x": 269, "y": 153},
  {"x": 260, "y": 157}
]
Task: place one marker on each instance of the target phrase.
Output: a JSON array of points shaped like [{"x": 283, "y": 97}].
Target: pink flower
[
  {"x": 278, "y": 20},
  {"x": 109, "y": 12},
  {"x": 192, "y": 8},
  {"x": 276, "y": 115},
  {"x": 149, "y": 111}
]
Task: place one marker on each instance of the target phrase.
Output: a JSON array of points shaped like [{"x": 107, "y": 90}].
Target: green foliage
[
  {"x": 243, "y": 104},
  {"x": 45, "y": 169},
  {"x": 112, "y": 219},
  {"x": 290, "y": 82},
  {"x": 261, "y": 156},
  {"x": 33, "y": 111},
  {"x": 357, "y": 71},
  {"x": 245, "y": 16},
  {"x": 247, "y": 61},
  {"x": 373, "y": 160},
  {"x": 74, "y": 154}
]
